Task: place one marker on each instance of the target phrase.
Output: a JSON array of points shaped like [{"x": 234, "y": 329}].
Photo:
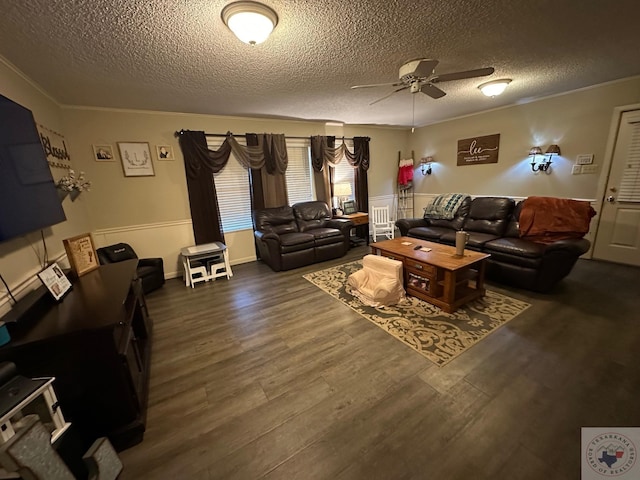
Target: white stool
[{"x": 214, "y": 255}]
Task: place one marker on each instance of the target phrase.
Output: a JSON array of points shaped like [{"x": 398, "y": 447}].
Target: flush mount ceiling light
[
  {"x": 496, "y": 87},
  {"x": 251, "y": 22}
]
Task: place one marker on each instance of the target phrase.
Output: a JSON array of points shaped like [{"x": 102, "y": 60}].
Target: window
[
  {"x": 234, "y": 191},
  {"x": 234, "y": 195},
  {"x": 344, "y": 173},
  {"x": 298, "y": 175}
]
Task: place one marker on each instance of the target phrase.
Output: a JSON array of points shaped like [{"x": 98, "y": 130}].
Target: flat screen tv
[{"x": 28, "y": 197}]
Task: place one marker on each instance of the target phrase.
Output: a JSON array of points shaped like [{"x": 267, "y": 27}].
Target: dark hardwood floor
[{"x": 266, "y": 376}]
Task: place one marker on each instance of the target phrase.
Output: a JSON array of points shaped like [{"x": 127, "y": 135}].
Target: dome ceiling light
[
  {"x": 496, "y": 87},
  {"x": 251, "y": 22}
]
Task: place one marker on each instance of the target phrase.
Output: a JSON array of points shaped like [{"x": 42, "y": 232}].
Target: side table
[
  {"x": 359, "y": 219},
  {"x": 205, "y": 262}
]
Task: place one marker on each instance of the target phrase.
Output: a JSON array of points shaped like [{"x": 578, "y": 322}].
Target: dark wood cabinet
[{"x": 97, "y": 343}]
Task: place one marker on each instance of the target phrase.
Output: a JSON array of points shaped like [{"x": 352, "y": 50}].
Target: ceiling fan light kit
[
  {"x": 419, "y": 76},
  {"x": 251, "y": 22},
  {"x": 496, "y": 87}
]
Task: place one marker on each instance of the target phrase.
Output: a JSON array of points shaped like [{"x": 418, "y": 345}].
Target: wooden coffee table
[{"x": 439, "y": 276}]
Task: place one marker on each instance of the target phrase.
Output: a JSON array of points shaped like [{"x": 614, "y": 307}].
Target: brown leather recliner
[{"x": 291, "y": 237}]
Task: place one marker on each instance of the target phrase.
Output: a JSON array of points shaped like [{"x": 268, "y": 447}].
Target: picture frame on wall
[
  {"x": 103, "y": 153},
  {"x": 165, "y": 152},
  {"x": 55, "y": 280},
  {"x": 136, "y": 159},
  {"x": 81, "y": 253}
]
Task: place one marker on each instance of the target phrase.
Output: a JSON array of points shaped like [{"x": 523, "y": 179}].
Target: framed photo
[
  {"x": 81, "y": 253},
  {"x": 349, "y": 207},
  {"x": 55, "y": 280},
  {"x": 165, "y": 152},
  {"x": 103, "y": 153},
  {"x": 136, "y": 159}
]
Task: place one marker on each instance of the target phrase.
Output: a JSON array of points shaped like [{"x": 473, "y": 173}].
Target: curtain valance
[
  {"x": 270, "y": 151},
  {"x": 322, "y": 153}
]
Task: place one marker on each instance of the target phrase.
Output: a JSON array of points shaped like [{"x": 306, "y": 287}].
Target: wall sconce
[
  {"x": 551, "y": 151},
  {"x": 251, "y": 22},
  {"x": 425, "y": 165},
  {"x": 543, "y": 166}
]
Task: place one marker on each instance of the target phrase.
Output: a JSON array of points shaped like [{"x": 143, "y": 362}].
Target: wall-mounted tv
[{"x": 28, "y": 197}]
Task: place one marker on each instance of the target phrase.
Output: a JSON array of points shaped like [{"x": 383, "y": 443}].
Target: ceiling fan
[{"x": 419, "y": 76}]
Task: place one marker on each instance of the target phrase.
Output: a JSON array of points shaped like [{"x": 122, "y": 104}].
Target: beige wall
[
  {"x": 19, "y": 261},
  {"x": 152, "y": 213},
  {"x": 579, "y": 122}
]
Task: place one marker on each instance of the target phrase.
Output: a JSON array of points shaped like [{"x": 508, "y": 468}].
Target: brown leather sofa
[
  {"x": 492, "y": 225},
  {"x": 292, "y": 237}
]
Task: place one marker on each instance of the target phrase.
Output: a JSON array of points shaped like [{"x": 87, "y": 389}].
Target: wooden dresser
[{"x": 97, "y": 343}]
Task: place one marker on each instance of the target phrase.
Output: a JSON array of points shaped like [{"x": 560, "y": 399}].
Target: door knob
[{"x": 611, "y": 199}]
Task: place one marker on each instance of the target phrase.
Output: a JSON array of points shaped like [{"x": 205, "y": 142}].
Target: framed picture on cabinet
[
  {"x": 55, "y": 280},
  {"x": 349, "y": 207},
  {"x": 81, "y": 254}
]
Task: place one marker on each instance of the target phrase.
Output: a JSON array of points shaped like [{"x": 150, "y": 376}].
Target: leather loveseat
[
  {"x": 492, "y": 225},
  {"x": 291, "y": 237}
]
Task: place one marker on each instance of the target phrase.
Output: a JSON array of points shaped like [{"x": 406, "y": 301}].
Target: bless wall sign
[{"x": 477, "y": 150}]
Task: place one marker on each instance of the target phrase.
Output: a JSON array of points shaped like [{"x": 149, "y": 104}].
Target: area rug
[{"x": 437, "y": 335}]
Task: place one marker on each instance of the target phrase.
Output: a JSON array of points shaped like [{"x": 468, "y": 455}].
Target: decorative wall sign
[
  {"x": 136, "y": 159},
  {"x": 103, "y": 153},
  {"x": 477, "y": 150},
  {"x": 81, "y": 253},
  {"x": 165, "y": 152},
  {"x": 54, "y": 147}
]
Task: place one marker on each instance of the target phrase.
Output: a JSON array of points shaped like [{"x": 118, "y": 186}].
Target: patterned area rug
[{"x": 437, "y": 335}]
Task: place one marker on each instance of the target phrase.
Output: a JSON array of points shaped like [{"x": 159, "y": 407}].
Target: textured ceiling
[{"x": 177, "y": 55}]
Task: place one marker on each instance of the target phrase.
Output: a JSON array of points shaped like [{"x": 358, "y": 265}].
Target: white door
[{"x": 618, "y": 237}]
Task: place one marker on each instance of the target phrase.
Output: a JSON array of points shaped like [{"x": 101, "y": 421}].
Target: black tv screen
[{"x": 28, "y": 197}]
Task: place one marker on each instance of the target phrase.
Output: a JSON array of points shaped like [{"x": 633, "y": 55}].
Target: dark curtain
[
  {"x": 265, "y": 156},
  {"x": 271, "y": 189},
  {"x": 256, "y": 189},
  {"x": 324, "y": 151},
  {"x": 361, "y": 158},
  {"x": 200, "y": 165},
  {"x": 257, "y": 193}
]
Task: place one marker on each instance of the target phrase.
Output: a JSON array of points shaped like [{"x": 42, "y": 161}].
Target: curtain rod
[{"x": 177, "y": 133}]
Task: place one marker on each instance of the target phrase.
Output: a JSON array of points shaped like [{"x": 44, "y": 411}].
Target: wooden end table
[
  {"x": 438, "y": 276},
  {"x": 358, "y": 219}
]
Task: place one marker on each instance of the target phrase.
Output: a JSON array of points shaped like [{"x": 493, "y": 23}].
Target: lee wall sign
[{"x": 477, "y": 150}]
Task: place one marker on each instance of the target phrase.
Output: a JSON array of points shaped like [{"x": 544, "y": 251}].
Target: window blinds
[{"x": 630, "y": 183}]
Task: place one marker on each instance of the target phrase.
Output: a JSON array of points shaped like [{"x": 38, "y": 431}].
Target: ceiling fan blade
[
  {"x": 480, "y": 72},
  {"x": 432, "y": 91},
  {"x": 387, "y": 96},
  {"x": 394, "y": 84},
  {"x": 425, "y": 68}
]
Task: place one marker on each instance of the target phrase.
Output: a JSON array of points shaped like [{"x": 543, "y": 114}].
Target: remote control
[{"x": 417, "y": 247}]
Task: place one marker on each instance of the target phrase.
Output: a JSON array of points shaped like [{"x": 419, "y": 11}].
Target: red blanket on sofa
[{"x": 547, "y": 219}]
